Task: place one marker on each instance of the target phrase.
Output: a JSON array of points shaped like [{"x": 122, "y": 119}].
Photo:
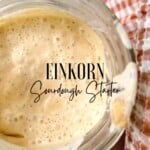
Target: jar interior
[{"x": 97, "y": 16}]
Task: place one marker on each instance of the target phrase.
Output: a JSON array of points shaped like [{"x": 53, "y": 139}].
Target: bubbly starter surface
[{"x": 28, "y": 40}]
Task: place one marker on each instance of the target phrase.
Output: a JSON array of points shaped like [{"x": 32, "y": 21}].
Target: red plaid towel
[{"x": 135, "y": 16}]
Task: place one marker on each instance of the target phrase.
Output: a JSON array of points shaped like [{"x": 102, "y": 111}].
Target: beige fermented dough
[{"x": 28, "y": 40}]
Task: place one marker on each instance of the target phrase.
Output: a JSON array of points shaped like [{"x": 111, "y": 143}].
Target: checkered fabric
[{"x": 135, "y": 17}]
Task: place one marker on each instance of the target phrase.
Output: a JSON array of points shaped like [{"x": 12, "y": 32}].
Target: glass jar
[{"x": 118, "y": 51}]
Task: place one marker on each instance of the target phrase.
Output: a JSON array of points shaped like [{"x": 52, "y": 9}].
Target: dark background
[{"x": 120, "y": 144}]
